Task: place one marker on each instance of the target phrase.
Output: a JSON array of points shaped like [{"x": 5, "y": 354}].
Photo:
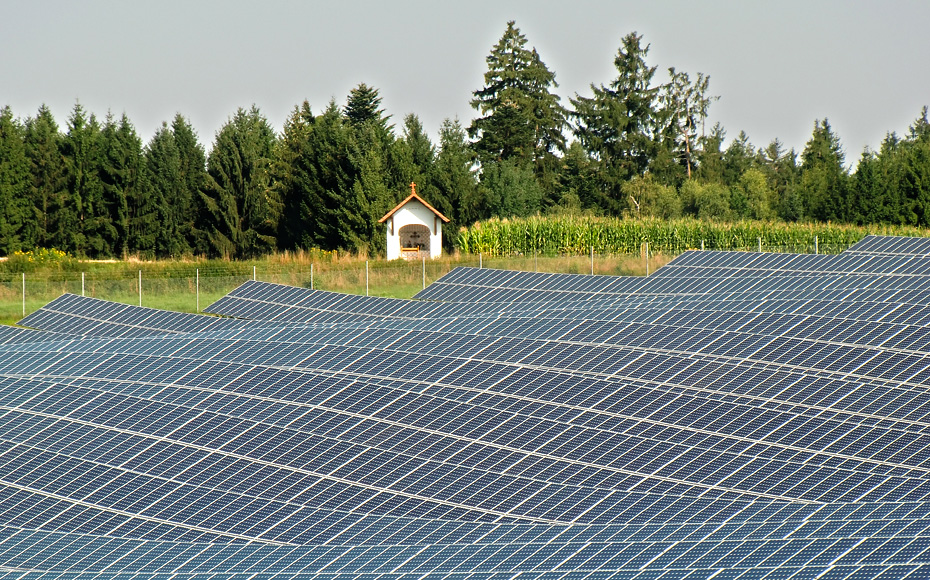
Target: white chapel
[{"x": 414, "y": 229}]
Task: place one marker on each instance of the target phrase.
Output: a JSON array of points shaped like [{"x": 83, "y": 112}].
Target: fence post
[
  {"x": 82, "y": 283},
  {"x": 311, "y": 276},
  {"x": 647, "y": 258},
  {"x": 760, "y": 244},
  {"x": 140, "y": 287},
  {"x": 424, "y": 272},
  {"x": 592, "y": 260},
  {"x": 197, "y": 289},
  {"x": 480, "y": 261},
  {"x": 253, "y": 273},
  {"x": 366, "y": 277},
  {"x": 816, "y": 249},
  {"x": 702, "y": 245},
  {"x": 535, "y": 261},
  {"x": 24, "y": 295}
]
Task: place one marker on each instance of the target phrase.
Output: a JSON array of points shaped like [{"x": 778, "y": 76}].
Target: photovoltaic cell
[{"x": 734, "y": 415}]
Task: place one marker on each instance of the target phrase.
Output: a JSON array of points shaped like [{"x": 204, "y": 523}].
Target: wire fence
[{"x": 189, "y": 288}]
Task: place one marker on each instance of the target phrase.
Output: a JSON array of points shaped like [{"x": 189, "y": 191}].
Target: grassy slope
[{"x": 170, "y": 285}]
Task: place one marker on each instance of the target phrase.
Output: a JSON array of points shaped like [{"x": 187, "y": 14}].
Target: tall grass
[{"x": 578, "y": 234}]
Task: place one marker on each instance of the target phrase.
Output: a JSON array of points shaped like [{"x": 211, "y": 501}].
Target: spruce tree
[
  {"x": 47, "y": 185},
  {"x": 242, "y": 210},
  {"x": 915, "y": 185},
  {"x": 14, "y": 182},
  {"x": 158, "y": 216},
  {"x": 823, "y": 178},
  {"x": 292, "y": 177},
  {"x": 121, "y": 179},
  {"x": 616, "y": 125},
  {"x": 377, "y": 182},
  {"x": 81, "y": 213},
  {"x": 456, "y": 180},
  {"x": 189, "y": 207},
  {"x": 521, "y": 118}
]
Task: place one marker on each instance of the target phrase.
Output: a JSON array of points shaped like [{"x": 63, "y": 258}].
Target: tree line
[{"x": 633, "y": 146}]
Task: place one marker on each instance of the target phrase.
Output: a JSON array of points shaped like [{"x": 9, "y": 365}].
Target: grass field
[{"x": 172, "y": 285}]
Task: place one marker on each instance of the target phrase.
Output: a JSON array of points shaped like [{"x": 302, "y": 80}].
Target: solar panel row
[{"x": 733, "y": 416}]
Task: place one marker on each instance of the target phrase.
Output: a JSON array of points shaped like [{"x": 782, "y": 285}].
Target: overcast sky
[{"x": 777, "y": 66}]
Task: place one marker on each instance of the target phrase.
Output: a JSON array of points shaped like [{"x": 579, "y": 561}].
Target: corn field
[{"x": 578, "y": 235}]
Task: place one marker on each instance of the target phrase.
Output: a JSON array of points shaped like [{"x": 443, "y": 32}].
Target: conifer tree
[
  {"x": 121, "y": 180},
  {"x": 915, "y": 184},
  {"x": 189, "y": 207},
  {"x": 242, "y": 210},
  {"x": 322, "y": 176},
  {"x": 14, "y": 182},
  {"x": 521, "y": 118},
  {"x": 157, "y": 218},
  {"x": 47, "y": 185},
  {"x": 293, "y": 179},
  {"x": 823, "y": 178},
  {"x": 616, "y": 124},
  {"x": 377, "y": 182},
  {"x": 81, "y": 216},
  {"x": 456, "y": 180}
]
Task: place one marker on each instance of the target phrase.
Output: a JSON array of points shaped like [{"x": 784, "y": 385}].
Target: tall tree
[
  {"x": 314, "y": 188},
  {"x": 157, "y": 216},
  {"x": 915, "y": 184},
  {"x": 241, "y": 208},
  {"x": 292, "y": 178},
  {"x": 47, "y": 187},
  {"x": 823, "y": 178},
  {"x": 381, "y": 169},
  {"x": 615, "y": 125},
  {"x": 413, "y": 157},
  {"x": 456, "y": 180},
  {"x": 189, "y": 206},
  {"x": 521, "y": 118},
  {"x": 739, "y": 157},
  {"x": 679, "y": 120},
  {"x": 780, "y": 168},
  {"x": 82, "y": 218},
  {"x": 363, "y": 105},
  {"x": 121, "y": 179},
  {"x": 14, "y": 182},
  {"x": 579, "y": 188}
]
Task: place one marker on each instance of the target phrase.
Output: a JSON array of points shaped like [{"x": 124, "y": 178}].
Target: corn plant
[{"x": 578, "y": 234}]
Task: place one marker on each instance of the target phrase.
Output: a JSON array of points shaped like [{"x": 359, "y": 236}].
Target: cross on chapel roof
[{"x": 413, "y": 195}]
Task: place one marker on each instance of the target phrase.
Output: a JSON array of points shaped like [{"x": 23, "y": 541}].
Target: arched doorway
[{"x": 414, "y": 238}]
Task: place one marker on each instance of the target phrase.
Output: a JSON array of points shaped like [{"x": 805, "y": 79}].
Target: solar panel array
[{"x": 735, "y": 415}]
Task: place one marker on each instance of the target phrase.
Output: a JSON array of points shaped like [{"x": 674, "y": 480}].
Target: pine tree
[
  {"x": 14, "y": 182},
  {"x": 364, "y": 106},
  {"x": 322, "y": 177},
  {"x": 292, "y": 177},
  {"x": 456, "y": 180},
  {"x": 121, "y": 178},
  {"x": 189, "y": 207},
  {"x": 738, "y": 158},
  {"x": 616, "y": 124},
  {"x": 823, "y": 178},
  {"x": 579, "y": 187},
  {"x": 915, "y": 186},
  {"x": 81, "y": 213},
  {"x": 521, "y": 118},
  {"x": 379, "y": 177},
  {"x": 157, "y": 217},
  {"x": 47, "y": 187},
  {"x": 242, "y": 210},
  {"x": 679, "y": 119}
]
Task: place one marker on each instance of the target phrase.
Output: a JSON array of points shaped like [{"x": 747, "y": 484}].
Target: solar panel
[
  {"x": 891, "y": 245},
  {"x": 732, "y": 416}
]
